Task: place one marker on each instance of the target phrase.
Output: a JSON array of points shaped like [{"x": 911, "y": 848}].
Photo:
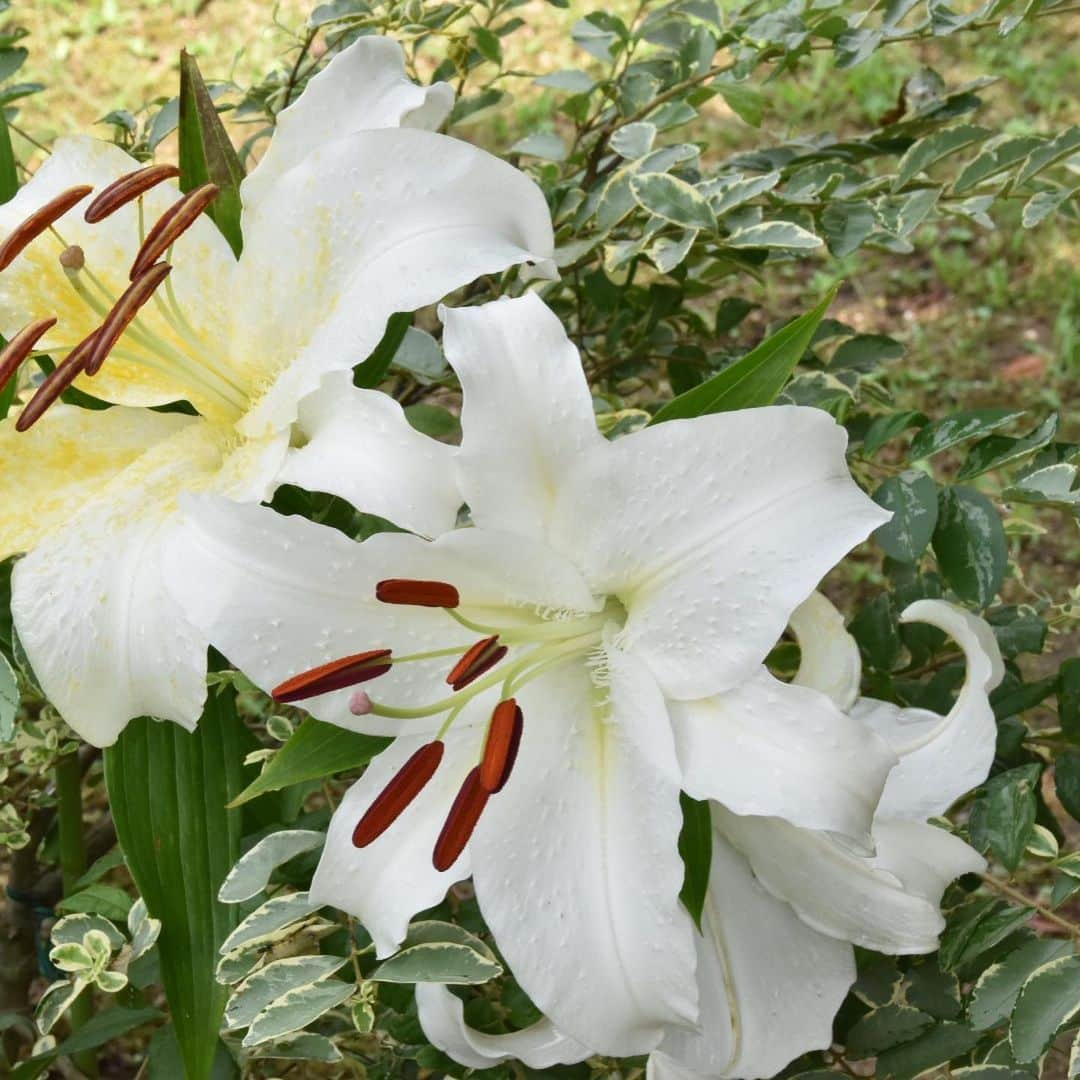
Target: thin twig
[{"x": 1072, "y": 929}]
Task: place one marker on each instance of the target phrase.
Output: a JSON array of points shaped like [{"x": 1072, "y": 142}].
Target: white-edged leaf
[
  {"x": 428, "y": 931},
  {"x": 273, "y": 981},
  {"x": 438, "y": 962},
  {"x": 933, "y": 148},
  {"x": 252, "y": 873},
  {"x": 237, "y": 965},
  {"x": 9, "y": 700},
  {"x": 634, "y": 140},
  {"x": 573, "y": 79},
  {"x": 669, "y": 251},
  {"x": 73, "y": 956},
  {"x": 774, "y": 234},
  {"x": 1043, "y": 203},
  {"x": 55, "y": 1002},
  {"x": 1048, "y": 999},
  {"x": 1065, "y": 145},
  {"x": 673, "y": 199},
  {"x": 305, "y": 1046},
  {"x": 726, "y": 194},
  {"x": 111, "y": 982},
  {"x": 73, "y": 928},
  {"x": 995, "y": 993},
  {"x": 297, "y": 1009},
  {"x": 269, "y": 919},
  {"x": 1053, "y": 485},
  {"x": 545, "y": 145}
]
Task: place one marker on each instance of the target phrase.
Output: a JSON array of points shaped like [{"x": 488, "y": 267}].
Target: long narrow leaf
[
  {"x": 756, "y": 378},
  {"x": 206, "y": 152},
  {"x": 168, "y": 790}
]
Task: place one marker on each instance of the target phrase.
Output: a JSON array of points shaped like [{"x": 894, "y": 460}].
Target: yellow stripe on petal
[{"x": 49, "y": 472}]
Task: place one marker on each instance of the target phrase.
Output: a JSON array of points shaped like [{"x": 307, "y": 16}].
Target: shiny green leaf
[
  {"x": 756, "y": 378},
  {"x": 315, "y": 751}
]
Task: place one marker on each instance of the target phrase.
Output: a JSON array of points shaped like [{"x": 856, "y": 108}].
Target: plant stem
[
  {"x": 1072, "y": 929},
  {"x": 69, "y": 823}
]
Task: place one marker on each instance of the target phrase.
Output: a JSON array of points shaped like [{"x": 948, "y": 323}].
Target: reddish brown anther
[
  {"x": 405, "y": 785},
  {"x": 39, "y": 221},
  {"x": 417, "y": 593},
  {"x": 62, "y": 376},
  {"x": 171, "y": 225},
  {"x": 500, "y": 750},
  {"x": 128, "y": 187},
  {"x": 348, "y": 671},
  {"x": 478, "y": 659},
  {"x": 124, "y": 310},
  {"x": 20, "y": 347},
  {"x": 460, "y": 822}
]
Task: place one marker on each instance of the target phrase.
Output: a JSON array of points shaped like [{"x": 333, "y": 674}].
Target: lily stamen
[
  {"x": 171, "y": 226},
  {"x": 477, "y": 660},
  {"x": 125, "y": 309},
  {"x": 21, "y": 346},
  {"x": 129, "y": 187},
  {"x": 403, "y": 787},
  {"x": 460, "y": 822},
  {"x": 40, "y": 220},
  {"x": 501, "y": 747},
  {"x": 336, "y": 675},
  {"x": 62, "y": 376},
  {"x": 412, "y": 593}
]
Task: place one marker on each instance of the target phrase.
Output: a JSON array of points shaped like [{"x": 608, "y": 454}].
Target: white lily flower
[
  {"x": 349, "y": 217},
  {"x": 608, "y": 609},
  {"x": 774, "y": 959}
]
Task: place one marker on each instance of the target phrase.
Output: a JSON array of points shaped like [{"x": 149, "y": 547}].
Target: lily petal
[
  {"x": 386, "y": 883},
  {"x": 712, "y": 553},
  {"x": 923, "y": 857},
  {"x": 770, "y": 985},
  {"x": 36, "y": 284},
  {"x": 363, "y": 87},
  {"x": 784, "y": 751},
  {"x": 868, "y": 902},
  {"x": 575, "y": 862},
  {"x": 49, "y": 472},
  {"x": 91, "y": 602},
  {"x": 830, "y": 660},
  {"x": 941, "y": 757},
  {"x": 361, "y": 447},
  {"x": 527, "y": 415},
  {"x": 366, "y": 225},
  {"x": 281, "y": 595},
  {"x": 442, "y": 1016}
]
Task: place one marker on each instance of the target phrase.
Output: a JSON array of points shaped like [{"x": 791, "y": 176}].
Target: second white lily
[
  {"x": 784, "y": 904},
  {"x": 603, "y": 622}
]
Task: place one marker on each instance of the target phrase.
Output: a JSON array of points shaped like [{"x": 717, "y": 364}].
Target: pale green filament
[
  {"x": 198, "y": 370},
  {"x": 517, "y": 674}
]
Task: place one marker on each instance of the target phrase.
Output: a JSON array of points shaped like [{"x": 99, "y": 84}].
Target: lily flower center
[
  {"x": 511, "y": 655},
  {"x": 181, "y": 354}
]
